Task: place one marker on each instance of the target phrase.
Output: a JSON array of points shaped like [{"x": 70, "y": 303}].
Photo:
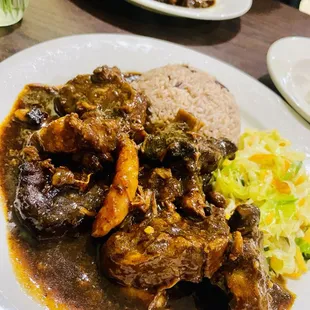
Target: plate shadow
[{"x": 129, "y": 18}]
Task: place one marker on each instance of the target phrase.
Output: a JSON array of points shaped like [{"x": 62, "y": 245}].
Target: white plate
[
  {"x": 221, "y": 10},
  {"x": 289, "y": 66},
  {"x": 57, "y": 61}
]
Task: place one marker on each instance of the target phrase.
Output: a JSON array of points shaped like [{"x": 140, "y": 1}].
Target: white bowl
[{"x": 289, "y": 66}]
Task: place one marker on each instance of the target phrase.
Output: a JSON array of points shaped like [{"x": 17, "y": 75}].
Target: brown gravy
[{"x": 63, "y": 274}]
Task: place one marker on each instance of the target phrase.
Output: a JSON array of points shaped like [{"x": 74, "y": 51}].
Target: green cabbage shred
[{"x": 269, "y": 174}]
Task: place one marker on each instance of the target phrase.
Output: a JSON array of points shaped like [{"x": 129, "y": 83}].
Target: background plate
[
  {"x": 290, "y": 71},
  {"x": 57, "y": 61},
  {"x": 222, "y": 10}
]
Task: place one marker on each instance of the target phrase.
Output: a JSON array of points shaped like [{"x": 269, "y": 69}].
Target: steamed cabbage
[{"x": 269, "y": 174}]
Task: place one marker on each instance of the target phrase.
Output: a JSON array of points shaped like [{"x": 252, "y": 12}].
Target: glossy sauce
[{"x": 63, "y": 274}]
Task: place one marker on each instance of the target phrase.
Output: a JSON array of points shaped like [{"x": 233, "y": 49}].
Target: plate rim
[
  {"x": 128, "y": 35},
  {"x": 12, "y": 58},
  {"x": 167, "y": 9}
]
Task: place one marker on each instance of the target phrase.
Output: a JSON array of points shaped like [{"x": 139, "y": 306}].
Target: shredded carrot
[
  {"x": 307, "y": 236},
  {"x": 269, "y": 218},
  {"x": 293, "y": 276},
  {"x": 283, "y": 143},
  {"x": 287, "y": 165},
  {"x": 281, "y": 187},
  {"x": 275, "y": 263},
  {"x": 300, "y": 180},
  {"x": 302, "y": 201},
  {"x": 263, "y": 159},
  {"x": 300, "y": 261},
  {"x": 302, "y": 266}
]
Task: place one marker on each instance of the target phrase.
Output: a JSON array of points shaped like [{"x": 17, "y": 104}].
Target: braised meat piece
[
  {"x": 36, "y": 105},
  {"x": 192, "y": 158},
  {"x": 163, "y": 250},
  {"x": 193, "y": 123},
  {"x": 160, "y": 181},
  {"x": 96, "y": 109},
  {"x": 89, "y": 160},
  {"x": 49, "y": 209},
  {"x": 246, "y": 221},
  {"x": 194, "y": 201},
  {"x": 87, "y": 92},
  {"x": 69, "y": 134},
  {"x": 217, "y": 199},
  {"x": 63, "y": 176},
  {"x": 182, "y": 189},
  {"x": 33, "y": 117},
  {"x": 197, "y": 152},
  {"x": 105, "y": 90},
  {"x": 59, "y": 136},
  {"x": 98, "y": 133},
  {"x": 245, "y": 273},
  {"x": 281, "y": 298}
]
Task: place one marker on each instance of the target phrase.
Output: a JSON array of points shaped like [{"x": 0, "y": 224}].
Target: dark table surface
[{"x": 242, "y": 42}]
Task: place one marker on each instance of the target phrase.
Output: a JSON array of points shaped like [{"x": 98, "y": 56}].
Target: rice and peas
[{"x": 266, "y": 172}]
